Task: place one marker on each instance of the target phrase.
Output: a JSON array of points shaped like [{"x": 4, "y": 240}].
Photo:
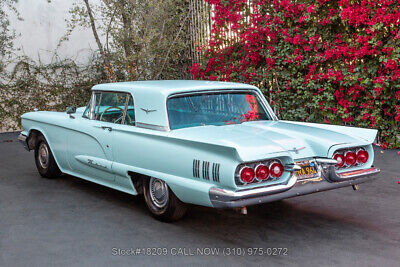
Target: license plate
[{"x": 308, "y": 170}]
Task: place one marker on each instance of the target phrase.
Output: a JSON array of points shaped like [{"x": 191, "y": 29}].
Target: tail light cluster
[
  {"x": 351, "y": 157},
  {"x": 260, "y": 172}
]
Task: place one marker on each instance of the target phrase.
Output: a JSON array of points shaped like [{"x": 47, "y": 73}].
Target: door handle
[{"x": 106, "y": 128}]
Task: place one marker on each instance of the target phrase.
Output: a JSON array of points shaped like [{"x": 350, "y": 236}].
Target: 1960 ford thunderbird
[{"x": 214, "y": 144}]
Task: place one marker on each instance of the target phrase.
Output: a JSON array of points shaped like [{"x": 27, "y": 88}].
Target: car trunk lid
[{"x": 259, "y": 139}]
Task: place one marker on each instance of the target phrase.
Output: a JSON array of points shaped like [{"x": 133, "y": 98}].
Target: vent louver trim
[
  {"x": 196, "y": 168},
  {"x": 215, "y": 172},
  {"x": 205, "y": 170}
]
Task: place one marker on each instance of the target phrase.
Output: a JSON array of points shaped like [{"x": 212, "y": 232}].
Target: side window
[
  {"x": 130, "y": 112},
  {"x": 110, "y": 107}
]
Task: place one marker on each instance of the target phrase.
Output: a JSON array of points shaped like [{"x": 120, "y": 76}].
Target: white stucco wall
[
  {"x": 42, "y": 27},
  {"x": 39, "y": 32}
]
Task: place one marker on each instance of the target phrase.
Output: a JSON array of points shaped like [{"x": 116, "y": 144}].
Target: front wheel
[
  {"x": 161, "y": 201},
  {"x": 45, "y": 162}
]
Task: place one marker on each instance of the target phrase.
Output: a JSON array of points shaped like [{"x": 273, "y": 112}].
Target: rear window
[{"x": 215, "y": 109}]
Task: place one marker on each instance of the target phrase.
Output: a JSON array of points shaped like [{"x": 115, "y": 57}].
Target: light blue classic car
[{"x": 215, "y": 144}]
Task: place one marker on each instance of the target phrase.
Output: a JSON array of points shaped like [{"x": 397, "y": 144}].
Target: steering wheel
[{"x": 119, "y": 118}]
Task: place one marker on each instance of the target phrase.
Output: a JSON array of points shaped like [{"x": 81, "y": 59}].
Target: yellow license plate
[{"x": 307, "y": 171}]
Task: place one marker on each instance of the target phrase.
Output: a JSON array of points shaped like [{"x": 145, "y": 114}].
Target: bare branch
[
  {"x": 106, "y": 60},
  {"x": 173, "y": 42}
]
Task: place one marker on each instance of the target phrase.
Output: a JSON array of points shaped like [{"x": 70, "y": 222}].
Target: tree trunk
[
  {"x": 107, "y": 65},
  {"x": 127, "y": 42}
]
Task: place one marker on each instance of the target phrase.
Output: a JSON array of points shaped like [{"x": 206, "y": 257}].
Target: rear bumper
[
  {"x": 23, "y": 140},
  {"x": 221, "y": 198}
]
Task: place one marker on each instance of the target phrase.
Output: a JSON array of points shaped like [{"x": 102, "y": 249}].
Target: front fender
[{"x": 55, "y": 142}]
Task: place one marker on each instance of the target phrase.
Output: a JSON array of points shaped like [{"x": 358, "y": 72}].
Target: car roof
[
  {"x": 168, "y": 87},
  {"x": 152, "y": 95}
]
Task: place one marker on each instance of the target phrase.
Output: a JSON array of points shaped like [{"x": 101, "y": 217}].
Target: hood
[{"x": 259, "y": 139}]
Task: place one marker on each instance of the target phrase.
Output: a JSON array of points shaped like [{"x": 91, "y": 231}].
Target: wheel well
[
  {"x": 138, "y": 180},
  {"x": 32, "y": 138}
]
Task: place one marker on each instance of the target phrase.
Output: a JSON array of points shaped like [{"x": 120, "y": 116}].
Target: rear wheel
[
  {"x": 45, "y": 163},
  {"x": 161, "y": 201}
]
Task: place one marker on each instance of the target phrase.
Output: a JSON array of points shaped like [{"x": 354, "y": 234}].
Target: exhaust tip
[{"x": 243, "y": 210}]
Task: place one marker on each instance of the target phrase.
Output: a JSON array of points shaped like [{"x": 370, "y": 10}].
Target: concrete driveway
[{"x": 68, "y": 221}]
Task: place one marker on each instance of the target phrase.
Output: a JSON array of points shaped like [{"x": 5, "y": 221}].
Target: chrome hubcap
[
  {"x": 43, "y": 155},
  {"x": 158, "y": 192}
]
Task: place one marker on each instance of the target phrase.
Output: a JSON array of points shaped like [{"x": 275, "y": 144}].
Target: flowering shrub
[{"x": 321, "y": 60}]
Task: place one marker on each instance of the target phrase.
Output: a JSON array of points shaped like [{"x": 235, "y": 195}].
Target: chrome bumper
[
  {"x": 222, "y": 198},
  {"x": 23, "y": 140}
]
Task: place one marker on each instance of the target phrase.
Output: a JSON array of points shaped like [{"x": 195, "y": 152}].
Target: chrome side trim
[{"x": 152, "y": 126}]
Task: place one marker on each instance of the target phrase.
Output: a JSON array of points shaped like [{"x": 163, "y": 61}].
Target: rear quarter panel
[{"x": 155, "y": 154}]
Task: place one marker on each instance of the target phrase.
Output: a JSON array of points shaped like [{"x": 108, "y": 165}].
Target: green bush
[{"x": 46, "y": 87}]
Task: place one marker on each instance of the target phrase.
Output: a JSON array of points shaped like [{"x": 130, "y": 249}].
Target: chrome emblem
[
  {"x": 148, "y": 110},
  {"x": 296, "y": 150}
]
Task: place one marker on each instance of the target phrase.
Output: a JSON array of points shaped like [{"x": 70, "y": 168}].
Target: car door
[{"x": 90, "y": 146}]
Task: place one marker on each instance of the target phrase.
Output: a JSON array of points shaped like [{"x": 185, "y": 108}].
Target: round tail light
[
  {"x": 362, "y": 156},
  {"x": 262, "y": 172},
  {"x": 247, "y": 175},
  {"x": 276, "y": 169},
  {"x": 340, "y": 159},
  {"x": 350, "y": 158}
]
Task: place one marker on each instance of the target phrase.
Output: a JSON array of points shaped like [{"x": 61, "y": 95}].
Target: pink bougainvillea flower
[
  {"x": 296, "y": 48},
  {"x": 311, "y": 8}
]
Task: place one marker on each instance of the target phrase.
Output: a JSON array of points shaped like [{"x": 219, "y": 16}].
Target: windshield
[{"x": 215, "y": 109}]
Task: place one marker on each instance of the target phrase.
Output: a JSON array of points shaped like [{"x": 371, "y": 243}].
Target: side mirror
[{"x": 71, "y": 110}]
